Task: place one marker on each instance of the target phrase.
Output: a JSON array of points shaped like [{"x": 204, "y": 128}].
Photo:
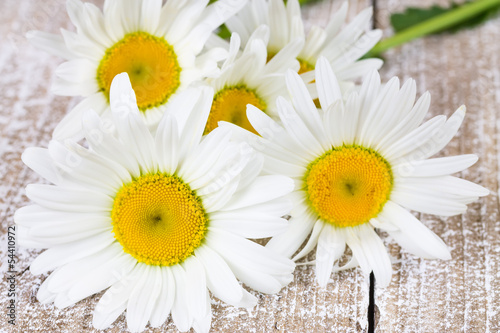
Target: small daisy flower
[
  {"x": 247, "y": 77},
  {"x": 159, "y": 220},
  {"x": 343, "y": 46},
  {"x": 358, "y": 165},
  {"x": 159, "y": 46}
]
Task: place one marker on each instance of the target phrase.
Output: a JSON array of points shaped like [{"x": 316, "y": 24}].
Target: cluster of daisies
[{"x": 188, "y": 147}]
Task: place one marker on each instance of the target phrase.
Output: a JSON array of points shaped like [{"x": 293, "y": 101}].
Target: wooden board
[
  {"x": 28, "y": 115},
  {"x": 462, "y": 294}
]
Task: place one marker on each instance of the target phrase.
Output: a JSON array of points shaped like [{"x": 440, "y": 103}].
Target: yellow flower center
[
  {"x": 151, "y": 64},
  {"x": 230, "y": 104},
  {"x": 158, "y": 219},
  {"x": 304, "y": 66},
  {"x": 348, "y": 185}
]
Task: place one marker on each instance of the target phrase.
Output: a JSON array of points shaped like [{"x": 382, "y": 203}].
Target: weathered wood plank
[
  {"x": 461, "y": 294},
  {"x": 29, "y": 113}
]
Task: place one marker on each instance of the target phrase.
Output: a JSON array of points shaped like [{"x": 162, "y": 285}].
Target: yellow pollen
[
  {"x": 158, "y": 219},
  {"x": 230, "y": 104},
  {"x": 304, "y": 66},
  {"x": 348, "y": 185},
  {"x": 151, "y": 64}
]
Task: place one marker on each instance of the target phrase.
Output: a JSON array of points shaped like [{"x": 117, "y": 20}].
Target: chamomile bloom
[
  {"x": 159, "y": 220},
  {"x": 343, "y": 46},
  {"x": 159, "y": 46},
  {"x": 247, "y": 77},
  {"x": 358, "y": 165}
]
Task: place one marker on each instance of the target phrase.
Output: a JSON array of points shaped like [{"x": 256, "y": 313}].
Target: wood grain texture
[
  {"x": 463, "y": 294},
  {"x": 28, "y": 115}
]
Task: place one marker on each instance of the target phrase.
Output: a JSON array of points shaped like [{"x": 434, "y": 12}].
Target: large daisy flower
[
  {"x": 247, "y": 77},
  {"x": 343, "y": 46},
  {"x": 158, "y": 45},
  {"x": 359, "y": 163},
  {"x": 160, "y": 220}
]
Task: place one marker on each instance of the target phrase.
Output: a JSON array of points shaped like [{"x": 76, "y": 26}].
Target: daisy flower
[
  {"x": 159, "y": 46},
  {"x": 247, "y": 77},
  {"x": 359, "y": 163},
  {"x": 343, "y": 46},
  {"x": 159, "y": 220}
]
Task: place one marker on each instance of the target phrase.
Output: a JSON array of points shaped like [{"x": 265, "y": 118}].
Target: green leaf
[{"x": 413, "y": 16}]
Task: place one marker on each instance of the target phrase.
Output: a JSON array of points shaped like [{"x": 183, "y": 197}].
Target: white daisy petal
[
  {"x": 108, "y": 274},
  {"x": 102, "y": 140},
  {"x": 77, "y": 70},
  {"x": 196, "y": 293},
  {"x": 436, "y": 166},
  {"x": 150, "y": 12},
  {"x": 81, "y": 46},
  {"x": 359, "y": 69},
  {"x": 289, "y": 242},
  {"x": 252, "y": 226},
  {"x": 50, "y": 43},
  {"x": 87, "y": 169},
  {"x": 66, "y": 88},
  {"x": 25, "y": 239},
  {"x": 285, "y": 58},
  {"x": 205, "y": 154},
  {"x": 331, "y": 246},
  {"x": 181, "y": 314},
  {"x": 312, "y": 241},
  {"x": 165, "y": 299},
  {"x": 220, "y": 279},
  {"x": 378, "y": 115},
  {"x": 253, "y": 76},
  {"x": 58, "y": 255},
  {"x": 193, "y": 130},
  {"x": 126, "y": 115},
  {"x": 350, "y": 118},
  {"x": 333, "y": 123},
  {"x": 43, "y": 295},
  {"x": 412, "y": 235},
  {"x": 143, "y": 297},
  {"x": 296, "y": 127},
  {"x": 373, "y": 158},
  {"x": 368, "y": 93},
  {"x": 371, "y": 254},
  {"x": 167, "y": 142},
  {"x": 327, "y": 85},
  {"x": 218, "y": 199},
  {"x": 68, "y": 200},
  {"x": 202, "y": 324},
  {"x": 254, "y": 265},
  {"x": 422, "y": 202},
  {"x": 443, "y": 137},
  {"x": 251, "y": 170},
  {"x": 114, "y": 300},
  {"x": 39, "y": 160},
  {"x": 263, "y": 189},
  {"x": 115, "y": 39},
  {"x": 410, "y": 122},
  {"x": 446, "y": 184},
  {"x": 415, "y": 138},
  {"x": 314, "y": 44},
  {"x": 65, "y": 276},
  {"x": 302, "y": 101},
  {"x": 270, "y": 130},
  {"x": 71, "y": 124},
  {"x": 103, "y": 223}
]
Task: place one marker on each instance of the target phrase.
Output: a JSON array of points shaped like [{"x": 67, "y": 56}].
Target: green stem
[{"x": 434, "y": 25}]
